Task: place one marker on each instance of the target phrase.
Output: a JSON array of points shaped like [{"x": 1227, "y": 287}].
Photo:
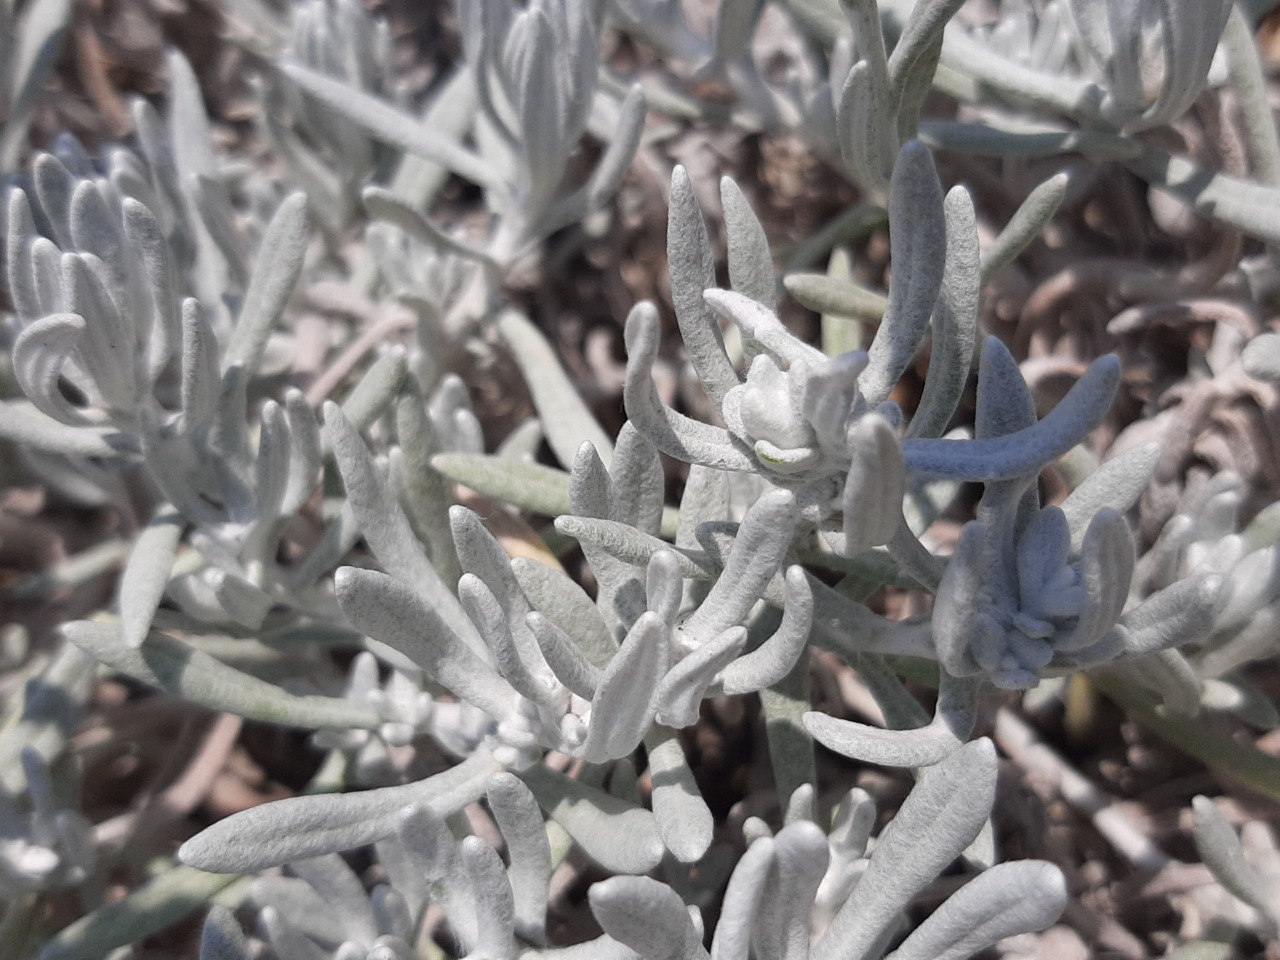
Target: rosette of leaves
[
  {"x": 1028, "y": 590},
  {"x": 95, "y": 298},
  {"x": 1203, "y": 539},
  {"x": 244, "y": 578},
  {"x": 1136, "y": 66},
  {"x": 550, "y": 668},
  {"x": 101, "y": 261},
  {"x": 536, "y": 103},
  {"x": 143, "y": 372},
  {"x": 111, "y": 330},
  {"x": 327, "y": 154},
  {"x": 1148, "y": 61},
  {"x": 1031, "y": 588},
  {"x": 1056, "y": 78}
]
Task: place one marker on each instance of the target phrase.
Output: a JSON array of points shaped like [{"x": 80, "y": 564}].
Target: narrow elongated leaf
[
  {"x": 486, "y": 560},
  {"x": 525, "y": 677},
  {"x": 937, "y": 821},
  {"x": 221, "y": 938},
  {"x": 1032, "y": 216},
  {"x": 648, "y": 916},
  {"x": 673, "y": 433},
  {"x": 1106, "y": 570},
  {"x": 830, "y": 296},
  {"x": 735, "y": 21},
  {"x": 188, "y": 125},
  {"x": 1222, "y": 853},
  {"x": 387, "y": 610},
  {"x": 155, "y": 906},
  {"x": 738, "y": 911},
  {"x": 304, "y": 452},
  {"x": 297, "y": 903},
  {"x": 923, "y": 30},
  {"x": 1117, "y": 485},
  {"x": 342, "y": 892},
  {"x": 147, "y": 573},
  {"x": 1029, "y": 450},
  {"x": 774, "y": 659},
  {"x": 426, "y": 494},
  {"x": 865, "y": 124},
  {"x": 271, "y": 472},
  {"x": 96, "y": 231},
  {"x": 40, "y": 35},
  {"x": 528, "y": 850},
  {"x": 19, "y": 266},
  {"x": 298, "y": 827},
  {"x": 800, "y": 858},
  {"x": 954, "y": 321},
  {"x": 38, "y": 357},
  {"x": 692, "y": 269},
  {"x": 920, "y": 747},
  {"x": 494, "y": 903},
  {"x": 1004, "y": 901},
  {"x": 200, "y": 378},
  {"x": 385, "y": 205},
  {"x": 762, "y": 325},
  {"x": 532, "y": 487},
  {"x": 618, "y": 835},
  {"x": 758, "y": 552},
  {"x": 218, "y": 218},
  {"x": 918, "y": 248},
  {"x": 162, "y": 333},
  {"x": 630, "y": 545},
  {"x": 874, "y": 486},
  {"x": 377, "y": 389},
  {"x": 566, "y": 660},
  {"x": 279, "y": 264},
  {"x": 681, "y": 691},
  {"x": 386, "y": 528},
  {"x": 684, "y": 818},
  {"x": 565, "y": 416},
  {"x": 106, "y": 350},
  {"x": 542, "y": 112},
  {"x": 663, "y": 589},
  {"x": 623, "y": 144},
  {"x": 636, "y": 482},
  {"x": 915, "y": 79},
  {"x": 750, "y": 266},
  {"x": 180, "y": 669},
  {"x": 567, "y": 605},
  {"x": 626, "y": 700},
  {"x": 1181, "y": 613},
  {"x": 393, "y": 127},
  {"x": 54, "y": 185}
]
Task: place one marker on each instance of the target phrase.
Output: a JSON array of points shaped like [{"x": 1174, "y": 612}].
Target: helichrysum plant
[{"x": 157, "y": 303}]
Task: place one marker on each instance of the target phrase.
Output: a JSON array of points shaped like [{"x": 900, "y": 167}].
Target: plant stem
[{"x": 1243, "y": 763}]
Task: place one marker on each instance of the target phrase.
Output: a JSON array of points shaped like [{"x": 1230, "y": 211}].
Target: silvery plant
[
  {"x": 151, "y": 326},
  {"x": 1029, "y": 589},
  {"x": 806, "y": 891},
  {"x": 1046, "y": 79}
]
